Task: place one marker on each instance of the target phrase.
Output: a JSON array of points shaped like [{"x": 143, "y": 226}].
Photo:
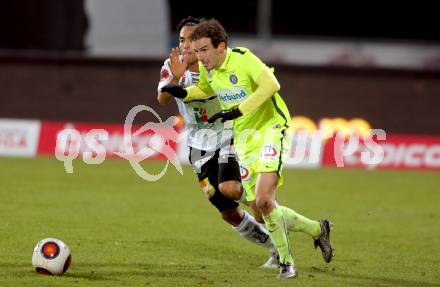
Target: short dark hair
[
  {"x": 210, "y": 29},
  {"x": 189, "y": 21}
]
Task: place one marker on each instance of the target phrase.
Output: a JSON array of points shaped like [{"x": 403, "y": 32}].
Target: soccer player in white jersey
[{"x": 210, "y": 143}]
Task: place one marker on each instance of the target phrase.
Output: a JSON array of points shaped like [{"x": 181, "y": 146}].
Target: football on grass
[{"x": 51, "y": 257}]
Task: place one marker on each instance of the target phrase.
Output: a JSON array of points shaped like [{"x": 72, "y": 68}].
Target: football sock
[
  {"x": 253, "y": 231},
  {"x": 297, "y": 222},
  {"x": 277, "y": 230}
]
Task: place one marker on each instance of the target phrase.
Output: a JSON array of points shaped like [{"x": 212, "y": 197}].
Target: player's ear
[{"x": 222, "y": 46}]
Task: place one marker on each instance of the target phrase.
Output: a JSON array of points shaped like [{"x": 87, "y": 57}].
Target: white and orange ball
[{"x": 51, "y": 257}]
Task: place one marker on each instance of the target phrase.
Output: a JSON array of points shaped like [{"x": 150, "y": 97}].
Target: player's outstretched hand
[
  {"x": 226, "y": 115},
  {"x": 175, "y": 90},
  {"x": 178, "y": 67}
]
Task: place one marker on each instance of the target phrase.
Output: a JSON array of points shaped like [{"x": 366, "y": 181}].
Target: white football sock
[{"x": 253, "y": 231}]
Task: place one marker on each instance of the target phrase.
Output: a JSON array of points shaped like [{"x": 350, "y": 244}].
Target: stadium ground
[{"x": 124, "y": 231}]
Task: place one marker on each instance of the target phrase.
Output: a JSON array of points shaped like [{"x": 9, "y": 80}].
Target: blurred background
[{"x": 91, "y": 61}]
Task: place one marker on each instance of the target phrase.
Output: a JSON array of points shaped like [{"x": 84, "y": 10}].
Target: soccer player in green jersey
[
  {"x": 209, "y": 142},
  {"x": 248, "y": 94}
]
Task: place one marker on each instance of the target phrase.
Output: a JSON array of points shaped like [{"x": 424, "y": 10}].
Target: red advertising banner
[
  {"x": 398, "y": 152},
  {"x": 108, "y": 139},
  {"x": 96, "y": 141}
]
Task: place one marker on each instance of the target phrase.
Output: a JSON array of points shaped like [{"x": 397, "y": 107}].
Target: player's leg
[
  {"x": 248, "y": 181},
  {"x": 229, "y": 177},
  {"x": 229, "y": 172},
  {"x": 246, "y": 226},
  {"x": 265, "y": 162},
  {"x": 273, "y": 217},
  {"x": 256, "y": 212},
  {"x": 205, "y": 165},
  {"x": 299, "y": 223},
  {"x": 318, "y": 230},
  {"x": 234, "y": 190},
  {"x": 208, "y": 174},
  {"x": 231, "y": 189}
]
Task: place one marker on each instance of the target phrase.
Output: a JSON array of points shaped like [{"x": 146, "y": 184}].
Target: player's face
[
  {"x": 185, "y": 43},
  {"x": 209, "y": 56}
]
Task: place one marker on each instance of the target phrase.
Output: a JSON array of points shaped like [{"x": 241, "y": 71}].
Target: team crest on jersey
[
  {"x": 233, "y": 79},
  {"x": 164, "y": 74},
  {"x": 200, "y": 115}
]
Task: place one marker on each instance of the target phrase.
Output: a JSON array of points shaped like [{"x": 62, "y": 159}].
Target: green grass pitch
[{"x": 124, "y": 231}]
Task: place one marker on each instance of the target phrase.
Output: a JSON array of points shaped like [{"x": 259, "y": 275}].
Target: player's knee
[
  {"x": 264, "y": 204},
  {"x": 231, "y": 189}
]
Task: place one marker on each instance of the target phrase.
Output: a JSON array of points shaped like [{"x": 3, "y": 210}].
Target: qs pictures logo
[{"x": 70, "y": 143}]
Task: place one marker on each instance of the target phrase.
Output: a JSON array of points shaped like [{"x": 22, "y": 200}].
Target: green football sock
[
  {"x": 297, "y": 222},
  {"x": 278, "y": 233}
]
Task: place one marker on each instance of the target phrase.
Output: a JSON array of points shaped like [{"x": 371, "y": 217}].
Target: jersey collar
[{"x": 225, "y": 62}]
